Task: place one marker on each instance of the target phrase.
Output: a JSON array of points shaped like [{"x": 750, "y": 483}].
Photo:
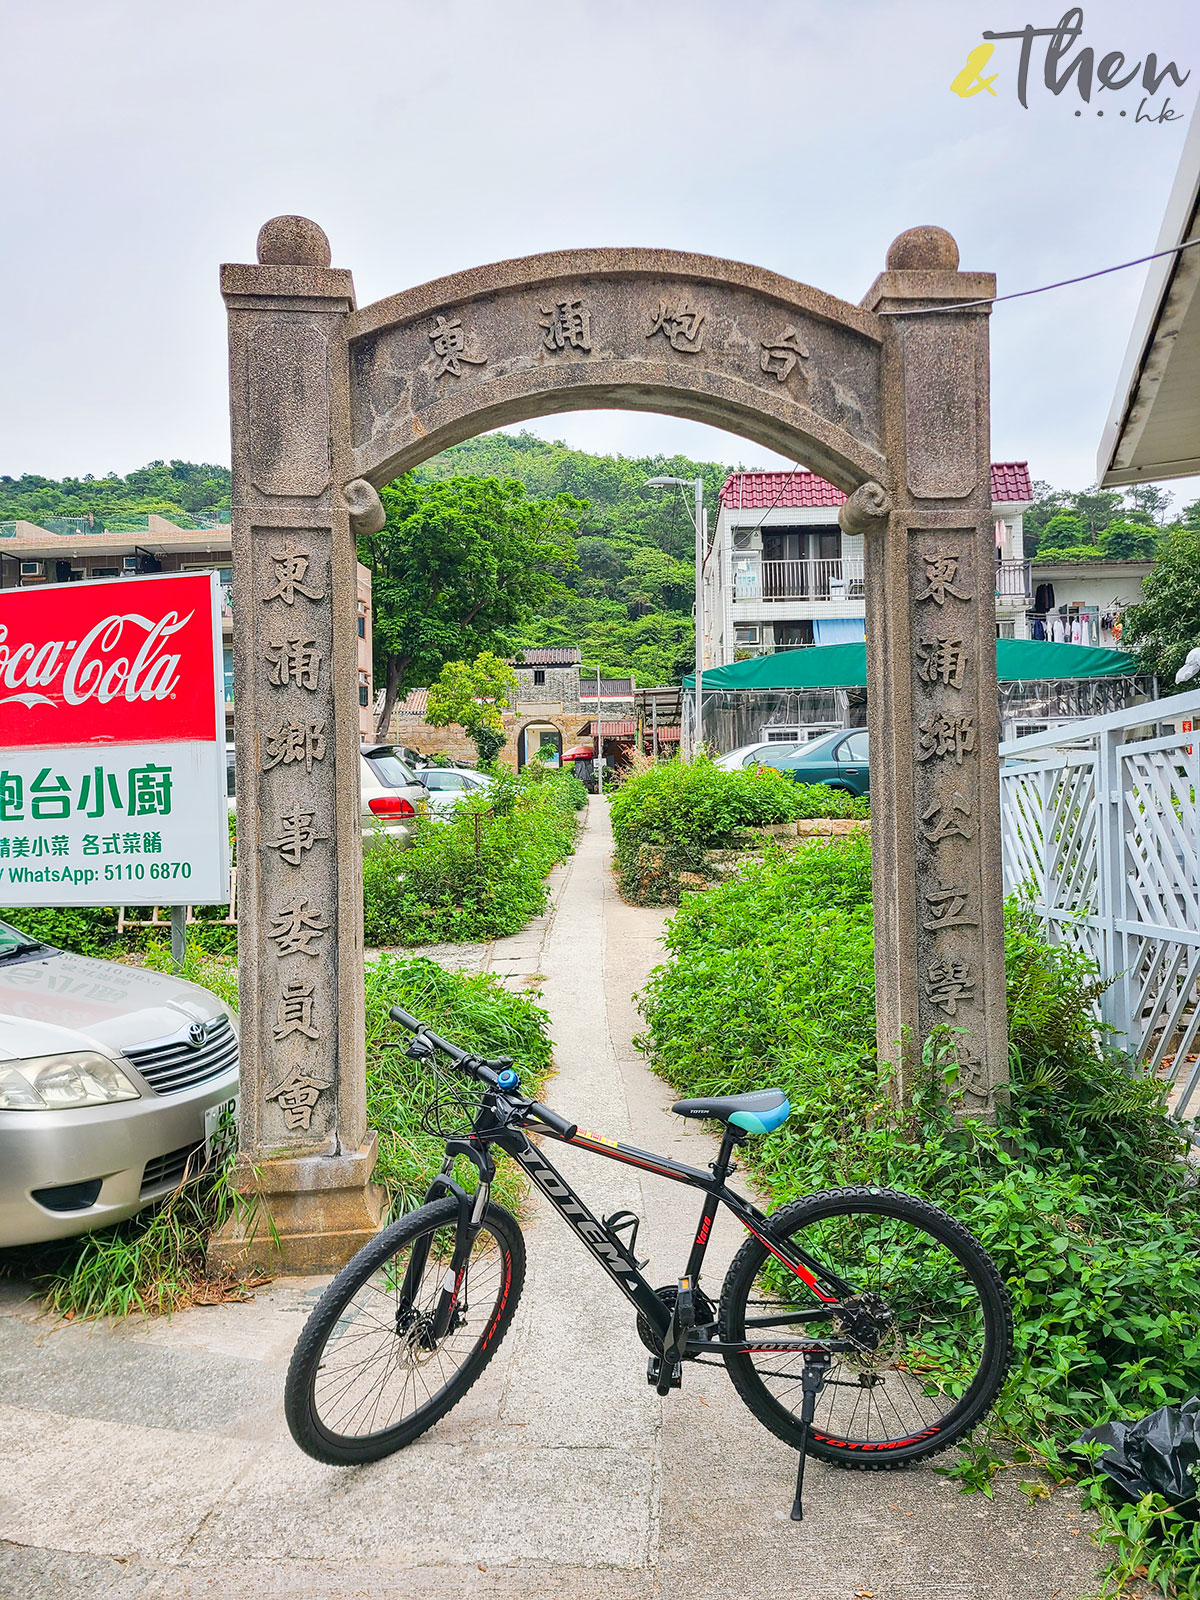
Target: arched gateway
[{"x": 328, "y": 402}]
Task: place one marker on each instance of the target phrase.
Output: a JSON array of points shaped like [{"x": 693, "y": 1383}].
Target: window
[
  {"x": 443, "y": 780},
  {"x": 745, "y": 635},
  {"x": 790, "y": 634},
  {"x": 106, "y": 572},
  {"x": 854, "y": 748},
  {"x": 363, "y": 694},
  {"x": 539, "y": 677},
  {"x": 362, "y": 626}
]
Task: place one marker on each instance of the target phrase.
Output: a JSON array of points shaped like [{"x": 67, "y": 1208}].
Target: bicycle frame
[{"x": 503, "y": 1122}]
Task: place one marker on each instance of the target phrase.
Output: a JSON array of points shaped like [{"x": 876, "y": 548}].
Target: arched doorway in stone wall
[
  {"x": 888, "y": 399},
  {"x": 539, "y": 735}
]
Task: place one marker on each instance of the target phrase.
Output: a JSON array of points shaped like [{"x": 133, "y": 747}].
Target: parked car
[
  {"x": 839, "y": 759},
  {"x": 114, "y": 1082},
  {"x": 392, "y": 797},
  {"x": 448, "y": 786},
  {"x": 747, "y": 755}
]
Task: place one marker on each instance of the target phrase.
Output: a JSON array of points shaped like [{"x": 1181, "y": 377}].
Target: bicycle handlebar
[{"x": 480, "y": 1069}]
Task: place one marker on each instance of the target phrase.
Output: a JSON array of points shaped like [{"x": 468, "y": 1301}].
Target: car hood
[{"x": 68, "y": 1002}]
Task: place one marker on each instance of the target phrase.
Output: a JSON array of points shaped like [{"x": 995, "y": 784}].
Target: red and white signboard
[{"x": 112, "y": 744}]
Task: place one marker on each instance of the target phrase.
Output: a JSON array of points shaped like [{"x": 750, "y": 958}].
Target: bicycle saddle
[{"x": 757, "y": 1113}]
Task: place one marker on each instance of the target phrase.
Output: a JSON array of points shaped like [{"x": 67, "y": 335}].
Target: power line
[{"x": 1064, "y": 283}]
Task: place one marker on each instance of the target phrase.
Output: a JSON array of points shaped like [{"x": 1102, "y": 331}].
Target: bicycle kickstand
[{"x": 816, "y": 1369}]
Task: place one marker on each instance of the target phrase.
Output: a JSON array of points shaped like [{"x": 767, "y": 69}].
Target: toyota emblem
[{"x": 197, "y": 1035}]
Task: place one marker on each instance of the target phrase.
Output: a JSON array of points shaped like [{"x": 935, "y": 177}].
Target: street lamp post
[{"x": 697, "y": 485}]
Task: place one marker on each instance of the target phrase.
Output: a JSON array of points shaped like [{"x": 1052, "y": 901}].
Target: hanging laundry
[{"x": 1075, "y": 629}]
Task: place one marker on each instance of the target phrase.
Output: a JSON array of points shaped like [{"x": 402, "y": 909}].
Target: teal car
[{"x": 838, "y": 759}]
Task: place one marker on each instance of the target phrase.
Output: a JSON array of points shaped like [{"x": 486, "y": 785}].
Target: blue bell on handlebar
[{"x": 507, "y": 1080}]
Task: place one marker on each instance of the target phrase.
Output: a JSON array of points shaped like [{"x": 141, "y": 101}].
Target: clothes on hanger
[
  {"x": 1039, "y": 628},
  {"x": 1043, "y": 599}
]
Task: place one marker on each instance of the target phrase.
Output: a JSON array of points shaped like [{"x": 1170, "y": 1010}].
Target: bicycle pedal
[{"x": 654, "y": 1375}]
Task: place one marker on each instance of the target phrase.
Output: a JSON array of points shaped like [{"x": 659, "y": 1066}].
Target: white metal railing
[
  {"x": 839, "y": 578},
  {"x": 1101, "y": 830},
  {"x": 1013, "y": 580}
]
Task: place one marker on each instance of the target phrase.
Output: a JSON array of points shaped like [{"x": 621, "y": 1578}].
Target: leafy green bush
[
  {"x": 666, "y": 817},
  {"x": 479, "y": 875},
  {"x": 473, "y": 1010},
  {"x": 92, "y": 930},
  {"x": 1079, "y": 1194}
]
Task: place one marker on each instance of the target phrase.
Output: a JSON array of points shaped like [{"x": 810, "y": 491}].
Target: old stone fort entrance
[{"x": 887, "y": 399}]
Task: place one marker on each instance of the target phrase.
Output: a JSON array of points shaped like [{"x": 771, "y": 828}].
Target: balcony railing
[
  {"x": 797, "y": 580},
  {"x": 840, "y": 579}
]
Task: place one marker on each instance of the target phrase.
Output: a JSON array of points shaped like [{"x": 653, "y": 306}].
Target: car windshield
[
  {"x": 390, "y": 769},
  {"x": 13, "y": 942}
]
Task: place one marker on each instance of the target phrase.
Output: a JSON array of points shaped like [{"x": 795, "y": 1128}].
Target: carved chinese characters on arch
[
  {"x": 779, "y": 365},
  {"x": 945, "y": 759},
  {"x": 567, "y": 324},
  {"x": 779, "y": 356},
  {"x": 681, "y": 325},
  {"x": 449, "y": 343}
]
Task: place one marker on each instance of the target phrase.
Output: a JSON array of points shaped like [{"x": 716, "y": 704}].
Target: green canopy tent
[
  {"x": 844, "y": 666},
  {"x": 824, "y": 686}
]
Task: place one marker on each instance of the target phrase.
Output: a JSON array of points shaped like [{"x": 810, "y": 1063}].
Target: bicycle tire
[
  {"x": 401, "y": 1353},
  {"x": 838, "y": 1445}
]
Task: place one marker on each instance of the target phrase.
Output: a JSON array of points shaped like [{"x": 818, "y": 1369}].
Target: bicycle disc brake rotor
[{"x": 705, "y": 1313}]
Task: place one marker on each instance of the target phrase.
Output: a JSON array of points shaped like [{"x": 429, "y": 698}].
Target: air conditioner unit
[
  {"x": 33, "y": 569},
  {"x": 129, "y": 563}
]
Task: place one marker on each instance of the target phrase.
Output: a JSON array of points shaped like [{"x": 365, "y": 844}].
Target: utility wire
[{"x": 1020, "y": 294}]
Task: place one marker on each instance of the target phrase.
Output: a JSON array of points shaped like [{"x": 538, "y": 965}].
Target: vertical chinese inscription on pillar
[
  {"x": 297, "y": 886},
  {"x": 945, "y": 684}
]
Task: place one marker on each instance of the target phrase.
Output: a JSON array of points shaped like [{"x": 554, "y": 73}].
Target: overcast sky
[{"x": 144, "y": 143}]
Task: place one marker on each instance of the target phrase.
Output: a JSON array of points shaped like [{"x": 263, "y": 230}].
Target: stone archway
[{"x": 888, "y": 399}]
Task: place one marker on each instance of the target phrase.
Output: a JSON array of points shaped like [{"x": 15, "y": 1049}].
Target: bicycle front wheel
[
  {"x": 928, "y": 1322},
  {"x": 395, "y": 1341}
]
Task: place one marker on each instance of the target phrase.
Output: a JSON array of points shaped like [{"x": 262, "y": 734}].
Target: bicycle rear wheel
[
  {"x": 395, "y": 1342},
  {"x": 929, "y": 1318}
]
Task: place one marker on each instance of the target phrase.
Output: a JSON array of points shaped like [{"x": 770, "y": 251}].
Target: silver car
[
  {"x": 392, "y": 798},
  {"x": 114, "y": 1081}
]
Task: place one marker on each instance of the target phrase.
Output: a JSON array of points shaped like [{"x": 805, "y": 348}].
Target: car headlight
[{"x": 62, "y": 1083}]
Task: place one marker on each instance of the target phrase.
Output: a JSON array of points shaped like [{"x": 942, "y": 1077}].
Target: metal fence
[{"x": 1102, "y": 833}]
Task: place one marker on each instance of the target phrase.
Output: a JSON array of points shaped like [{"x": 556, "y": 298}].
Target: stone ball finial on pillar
[
  {"x": 925, "y": 249},
  {"x": 293, "y": 242}
]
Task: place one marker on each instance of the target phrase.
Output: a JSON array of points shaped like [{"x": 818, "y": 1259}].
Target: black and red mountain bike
[{"x": 862, "y": 1326}]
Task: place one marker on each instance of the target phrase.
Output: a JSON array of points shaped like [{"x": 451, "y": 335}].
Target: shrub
[
  {"x": 1079, "y": 1194},
  {"x": 666, "y": 817},
  {"x": 479, "y": 875}
]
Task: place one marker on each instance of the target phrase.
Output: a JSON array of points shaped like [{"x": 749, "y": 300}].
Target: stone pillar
[
  {"x": 931, "y": 677},
  {"x": 305, "y": 1149}
]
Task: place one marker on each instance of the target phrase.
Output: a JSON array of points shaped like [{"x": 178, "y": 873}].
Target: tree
[
  {"x": 459, "y": 563},
  {"x": 1149, "y": 503},
  {"x": 472, "y": 694},
  {"x": 659, "y": 582},
  {"x": 1128, "y": 541},
  {"x": 1164, "y": 626},
  {"x": 1063, "y": 531}
]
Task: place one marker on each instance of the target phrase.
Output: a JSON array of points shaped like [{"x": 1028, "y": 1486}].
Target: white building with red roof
[{"x": 781, "y": 573}]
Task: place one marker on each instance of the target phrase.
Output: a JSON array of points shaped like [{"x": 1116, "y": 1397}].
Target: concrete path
[{"x": 151, "y": 1462}]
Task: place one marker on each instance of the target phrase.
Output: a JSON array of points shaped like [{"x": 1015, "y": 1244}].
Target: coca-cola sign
[{"x": 117, "y": 661}]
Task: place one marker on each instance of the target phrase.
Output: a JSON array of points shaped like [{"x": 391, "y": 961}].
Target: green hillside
[
  {"x": 629, "y": 607},
  {"x": 171, "y": 489}
]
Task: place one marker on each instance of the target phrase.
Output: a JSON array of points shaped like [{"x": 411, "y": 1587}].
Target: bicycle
[{"x": 850, "y": 1301}]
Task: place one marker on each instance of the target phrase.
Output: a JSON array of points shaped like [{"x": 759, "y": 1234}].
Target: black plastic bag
[{"x": 1156, "y": 1453}]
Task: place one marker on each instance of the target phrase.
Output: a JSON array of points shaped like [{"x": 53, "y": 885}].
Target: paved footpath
[{"x": 150, "y": 1461}]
